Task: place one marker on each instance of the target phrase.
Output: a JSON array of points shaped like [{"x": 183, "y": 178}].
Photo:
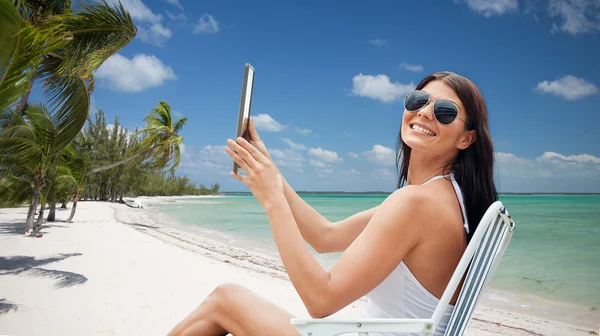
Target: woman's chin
[{"x": 416, "y": 142}]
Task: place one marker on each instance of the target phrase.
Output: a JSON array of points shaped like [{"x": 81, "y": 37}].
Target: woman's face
[{"x": 437, "y": 139}]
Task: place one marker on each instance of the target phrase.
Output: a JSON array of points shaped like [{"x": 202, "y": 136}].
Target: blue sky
[{"x": 330, "y": 78}]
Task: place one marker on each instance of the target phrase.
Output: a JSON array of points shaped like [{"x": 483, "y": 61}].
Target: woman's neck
[{"x": 424, "y": 166}]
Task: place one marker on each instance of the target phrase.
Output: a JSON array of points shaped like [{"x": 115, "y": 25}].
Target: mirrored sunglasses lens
[
  {"x": 416, "y": 100},
  {"x": 445, "y": 111}
]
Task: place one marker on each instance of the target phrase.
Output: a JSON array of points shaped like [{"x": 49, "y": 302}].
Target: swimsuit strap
[{"x": 458, "y": 193}]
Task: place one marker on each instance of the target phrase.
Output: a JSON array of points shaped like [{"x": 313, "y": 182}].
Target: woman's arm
[
  {"x": 394, "y": 229},
  {"x": 392, "y": 232},
  {"x": 323, "y": 235},
  {"x": 316, "y": 230}
]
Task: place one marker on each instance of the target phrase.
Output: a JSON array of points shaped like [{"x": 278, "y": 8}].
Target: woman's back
[{"x": 413, "y": 288}]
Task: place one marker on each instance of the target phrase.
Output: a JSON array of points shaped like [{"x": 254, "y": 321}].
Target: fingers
[
  {"x": 240, "y": 177},
  {"x": 252, "y": 131},
  {"x": 237, "y": 158},
  {"x": 251, "y": 150}
]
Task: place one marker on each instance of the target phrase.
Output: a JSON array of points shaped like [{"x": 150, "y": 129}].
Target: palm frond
[
  {"x": 35, "y": 9},
  {"x": 42, "y": 126},
  {"x": 64, "y": 181},
  {"x": 15, "y": 190},
  {"x": 69, "y": 97},
  {"x": 90, "y": 35},
  {"x": 20, "y": 50},
  {"x": 179, "y": 124}
]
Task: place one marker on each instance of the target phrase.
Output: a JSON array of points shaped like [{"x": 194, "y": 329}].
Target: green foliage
[
  {"x": 19, "y": 53},
  {"x": 102, "y": 145},
  {"x": 62, "y": 46}
]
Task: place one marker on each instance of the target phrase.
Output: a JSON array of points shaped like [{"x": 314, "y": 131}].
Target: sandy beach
[{"x": 115, "y": 271}]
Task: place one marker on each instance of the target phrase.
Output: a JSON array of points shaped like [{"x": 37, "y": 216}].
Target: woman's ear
[{"x": 466, "y": 140}]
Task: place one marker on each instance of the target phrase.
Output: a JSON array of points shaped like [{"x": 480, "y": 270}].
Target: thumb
[{"x": 252, "y": 130}]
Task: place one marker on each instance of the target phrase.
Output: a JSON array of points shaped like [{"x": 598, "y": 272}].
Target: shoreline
[
  {"x": 493, "y": 298},
  {"x": 503, "y": 296},
  {"x": 151, "y": 266}
]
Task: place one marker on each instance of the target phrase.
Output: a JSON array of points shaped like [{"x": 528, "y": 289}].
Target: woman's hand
[
  {"x": 263, "y": 179},
  {"x": 254, "y": 139}
]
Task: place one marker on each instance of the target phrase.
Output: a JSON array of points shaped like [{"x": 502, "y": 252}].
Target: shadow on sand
[
  {"x": 18, "y": 228},
  {"x": 7, "y": 306},
  {"x": 20, "y": 264}
]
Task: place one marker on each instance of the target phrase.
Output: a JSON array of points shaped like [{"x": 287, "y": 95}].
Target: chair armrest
[{"x": 336, "y": 326}]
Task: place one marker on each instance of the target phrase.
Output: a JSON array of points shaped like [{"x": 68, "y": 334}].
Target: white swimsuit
[{"x": 401, "y": 295}]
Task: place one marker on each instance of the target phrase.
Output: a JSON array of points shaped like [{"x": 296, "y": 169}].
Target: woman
[{"x": 402, "y": 253}]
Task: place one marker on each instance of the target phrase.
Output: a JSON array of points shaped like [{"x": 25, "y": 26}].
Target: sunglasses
[{"x": 444, "y": 110}]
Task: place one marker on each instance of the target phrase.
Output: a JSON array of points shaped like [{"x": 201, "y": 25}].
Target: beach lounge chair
[{"x": 481, "y": 258}]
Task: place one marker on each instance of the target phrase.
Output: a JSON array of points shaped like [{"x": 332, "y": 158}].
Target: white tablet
[{"x": 245, "y": 105}]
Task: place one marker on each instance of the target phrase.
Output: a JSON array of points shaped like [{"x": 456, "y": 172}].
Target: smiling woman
[{"x": 401, "y": 253}]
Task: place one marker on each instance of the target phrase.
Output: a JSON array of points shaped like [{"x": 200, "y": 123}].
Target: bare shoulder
[
  {"x": 408, "y": 208},
  {"x": 414, "y": 199},
  {"x": 429, "y": 206}
]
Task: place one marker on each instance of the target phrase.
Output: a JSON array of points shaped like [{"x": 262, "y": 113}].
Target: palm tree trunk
[
  {"x": 75, "y": 199},
  {"x": 118, "y": 163},
  {"x": 64, "y": 205},
  {"x": 40, "y": 220},
  {"x": 38, "y": 185},
  {"x": 52, "y": 213},
  {"x": 22, "y": 106},
  {"x": 30, "y": 214}
]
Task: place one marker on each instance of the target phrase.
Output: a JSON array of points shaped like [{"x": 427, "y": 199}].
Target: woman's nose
[{"x": 426, "y": 111}]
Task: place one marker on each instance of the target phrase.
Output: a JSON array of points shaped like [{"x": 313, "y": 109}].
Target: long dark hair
[{"x": 474, "y": 166}]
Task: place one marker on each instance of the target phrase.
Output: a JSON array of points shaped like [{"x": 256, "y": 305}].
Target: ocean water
[{"x": 554, "y": 253}]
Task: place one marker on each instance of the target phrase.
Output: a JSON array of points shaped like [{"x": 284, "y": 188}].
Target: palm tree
[
  {"x": 62, "y": 46},
  {"x": 161, "y": 141},
  {"x": 34, "y": 142},
  {"x": 79, "y": 165}
]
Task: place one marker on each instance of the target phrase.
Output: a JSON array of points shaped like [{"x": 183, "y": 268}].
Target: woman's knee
[{"x": 227, "y": 292}]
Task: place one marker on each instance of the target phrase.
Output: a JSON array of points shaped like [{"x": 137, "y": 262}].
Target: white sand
[{"x": 99, "y": 276}]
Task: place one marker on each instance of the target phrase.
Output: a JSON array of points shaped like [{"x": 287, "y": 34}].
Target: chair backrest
[{"x": 482, "y": 256}]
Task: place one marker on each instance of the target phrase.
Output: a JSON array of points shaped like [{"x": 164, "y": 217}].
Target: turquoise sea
[{"x": 554, "y": 253}]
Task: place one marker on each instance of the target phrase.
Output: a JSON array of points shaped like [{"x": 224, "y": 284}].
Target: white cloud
[
  {"x": 157, "y": 35},
  {"x": 352, "y": 172},
  {"x": 324, "y": 173},
  {"x": 211, "y": 160},
  {"x": 293, "y": 145},
  {"x": 318, "y": 164},
  {"x": 550, "y": 172},
  {"x": 381, "y": 155},
  {"x": 411, "y": 67},
  {"x": 325, "y": 155},
  {"x": 264, "y": 122},
  {"x": 379, "y": 87},
  {"x": 287, "y": 158},
  {"x": 135, "y": 75},
  {"x": 207, "y": 24},
  {"x": 378, "y": 42},
  {"x": 138, "y": 10},
  {"x": 579, "y": 16},
  {"x": 303, "y": 131},
  {"x": 568, "y": 87},
  {"x": 383, "y": 173},
  {"x": 175, "y": 3},
  {"x": 492, "y": 7},
  {"x": 580, "y": 159},
  {"x": 149, "y": 24},
  {"x": 353, "y": 155},
  {"x": 180, "y": 18}
]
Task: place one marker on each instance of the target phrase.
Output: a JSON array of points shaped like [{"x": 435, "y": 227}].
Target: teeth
[{"x": 422, "y": 130}]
